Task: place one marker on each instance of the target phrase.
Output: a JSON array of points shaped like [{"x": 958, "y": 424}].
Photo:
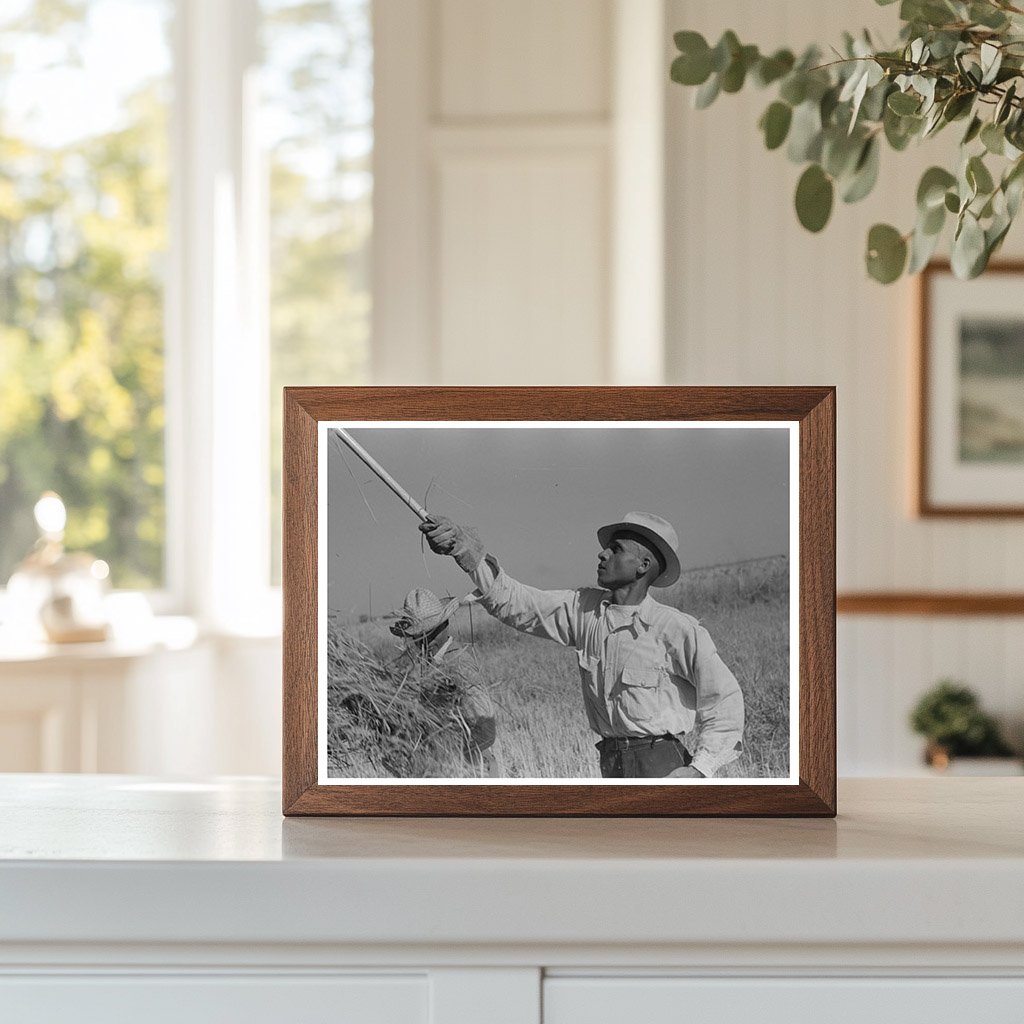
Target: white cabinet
[
  {"x": 216, "y": 1000},
  {"x": 127, "y": 898},
  {"x": 823, "y": 1000}
]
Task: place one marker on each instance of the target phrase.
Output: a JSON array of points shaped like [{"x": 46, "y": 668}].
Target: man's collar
[{"x": 642, "y": 612}]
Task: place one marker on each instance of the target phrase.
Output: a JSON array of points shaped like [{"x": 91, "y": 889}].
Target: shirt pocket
[{"x": 641, "y": 689}]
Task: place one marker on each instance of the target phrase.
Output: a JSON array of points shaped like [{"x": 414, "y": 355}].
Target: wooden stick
[{"x": 382, "y": 473}]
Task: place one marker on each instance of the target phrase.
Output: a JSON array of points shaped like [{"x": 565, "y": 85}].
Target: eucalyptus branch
[{"x": 834, "y": 117}]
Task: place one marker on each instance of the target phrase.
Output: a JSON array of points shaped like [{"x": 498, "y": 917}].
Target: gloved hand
[{"x": 448, "y": 538}]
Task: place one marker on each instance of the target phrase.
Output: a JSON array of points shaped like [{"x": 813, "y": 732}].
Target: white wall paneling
[
  {"x": 751, "y": 298},
  {"x": 518, "y": 201}
]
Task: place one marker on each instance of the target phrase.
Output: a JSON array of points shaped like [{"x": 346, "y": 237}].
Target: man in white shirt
[{"x": 649, "y": 673}]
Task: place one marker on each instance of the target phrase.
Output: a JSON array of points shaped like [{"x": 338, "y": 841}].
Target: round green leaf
[
  {"x": 775, "y": 123},
  {"x": 978, "y": 176},
  {"x": 724, "y": 51},
  {"x": 958, "y": 106},
  {"x": 814, "y": 194},
  {"x": 952, "y": 202},
  {"x": 794, "y": 89},
  {"x": 993, "y": 138},
  {"x": 887, "y": 253},
  {"x": 973, "y": 129},
  {"x": 805, "y": 133},
  {"x": 865, "y": 173},
  {"x": 693, "y": 65},
  {"x": 770, "y": 69},
  {"x": 900, "y": 130},
  {"x": 922, "y": 248},
  {"x": 903, "y": 103},
  {"x": 968, "y": 254},
  {"x": 932, "y": 189},
  {"x": 707, "y": 93}
]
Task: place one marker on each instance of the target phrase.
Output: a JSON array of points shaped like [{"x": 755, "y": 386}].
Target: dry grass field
[{"x": 535, "y": 686}]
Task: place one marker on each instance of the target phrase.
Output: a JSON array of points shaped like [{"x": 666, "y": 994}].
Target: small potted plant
[{"x": 950, "y": 717}]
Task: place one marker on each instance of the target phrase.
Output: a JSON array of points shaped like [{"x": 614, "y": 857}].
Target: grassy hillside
[{"x": 535, "y": 685}]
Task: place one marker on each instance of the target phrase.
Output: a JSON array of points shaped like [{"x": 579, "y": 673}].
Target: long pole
[{"x": 381, "y": 472}]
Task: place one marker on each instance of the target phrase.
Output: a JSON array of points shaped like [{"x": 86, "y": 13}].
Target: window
[
  {"x": 185, "y": 221},
  {"x": 83, "y": 237},
  {"x": 317, "y": 118}
]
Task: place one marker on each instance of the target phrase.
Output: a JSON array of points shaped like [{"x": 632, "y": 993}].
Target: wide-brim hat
[
  {"x": 422, "y": 612},
  {"x": 658, "y": 532}
]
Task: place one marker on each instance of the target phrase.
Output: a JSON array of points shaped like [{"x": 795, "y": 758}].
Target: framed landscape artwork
[
  {"x": 970, "y": 452},
  {"x": 559, "y": 601}
]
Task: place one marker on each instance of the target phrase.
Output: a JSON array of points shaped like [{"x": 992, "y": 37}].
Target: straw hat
[
  {"x": 422, "y": 612},
  {"x": 658, "y": 532}
]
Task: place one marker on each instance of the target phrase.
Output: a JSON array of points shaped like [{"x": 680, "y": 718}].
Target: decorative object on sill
[
  {"x": 54, "y": 593},
  {"x": 970, "y": 421},
  {"x": 545, "y": 468},
  {"x": 955, "y": 61},
  {"x": 950, "y": 717}
]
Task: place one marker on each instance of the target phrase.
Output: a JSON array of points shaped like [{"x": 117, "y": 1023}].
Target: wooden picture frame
[
  {"x": 970, "y": 442},
  {"x": 805, "y": 415}
]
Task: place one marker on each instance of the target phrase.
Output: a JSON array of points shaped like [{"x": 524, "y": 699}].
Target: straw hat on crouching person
[{"x": 424, "y": 623}]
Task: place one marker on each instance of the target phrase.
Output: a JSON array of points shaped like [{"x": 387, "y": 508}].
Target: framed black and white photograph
[
  {"x": 519, "y": 601},
  {"x": 971, "y": 388}
]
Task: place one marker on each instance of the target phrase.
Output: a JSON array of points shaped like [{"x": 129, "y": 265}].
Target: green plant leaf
[
  {"x": 735, "y": 74},
  {"x": 689, "y": 70},
  {"x": 922, "y": 247},
  {"x": 968, "y": 256},
  {"x": 987, "y": 15},
  {"x": 805, "y": 133},
  {"x": 886, "y": 254},
  {"x": 794, "y": 89},
  {"x": 904, "y": 103},
  {"x": 865, "y": 173},
  {"x": 814, "y": 195},
  {"x": 991, "y": 60},
  {"x": 900, "y": 130},
  {"x": 931, "y": 222},
  {"x": 839, "y": 151},
  {"x": 1004, "y": 106},
  {"x": 931, "y": 191},
  {"x": 873, "y": 107},
  {"x": 771, "y": 69},
  {"x": 993, "y": 138},
  {"x": 1013, "y": 187},
  {"x": 958, "y": 106},
  {"x": 952, "y": 202},
  {"x": 725, "y": 49},
  {"x": 978, "y": 176},
  {"x": 707, "y": 93},
  {"x": 973, "y": 130},
  {"x": 775, "y": 124}
]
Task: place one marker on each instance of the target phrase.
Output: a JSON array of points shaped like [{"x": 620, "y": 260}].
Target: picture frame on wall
[
  {"x": 559, "y": 601},
  {"x": 970, "y": 418}
]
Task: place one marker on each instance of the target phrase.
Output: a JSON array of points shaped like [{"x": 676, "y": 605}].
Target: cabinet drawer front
[
  {"x": 202, "y": 999},
  {"x": 783, "y": 1001}
]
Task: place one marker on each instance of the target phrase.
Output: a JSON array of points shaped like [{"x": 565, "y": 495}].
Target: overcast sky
[{"x": 537, "y": 497}]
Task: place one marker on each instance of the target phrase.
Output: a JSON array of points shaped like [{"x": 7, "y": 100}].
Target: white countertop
[{"x": 124, "y": 859}]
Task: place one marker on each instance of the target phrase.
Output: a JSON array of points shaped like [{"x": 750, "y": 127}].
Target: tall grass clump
[{"x": 390, "y": 714}]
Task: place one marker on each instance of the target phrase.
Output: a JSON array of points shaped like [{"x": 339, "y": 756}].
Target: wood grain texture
[
  {"x": 925, "y": 506},
  {"x": 925, "y": 603},
  {"x": 813, "y": 408},
  {"x": 299, "y": 596}
]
